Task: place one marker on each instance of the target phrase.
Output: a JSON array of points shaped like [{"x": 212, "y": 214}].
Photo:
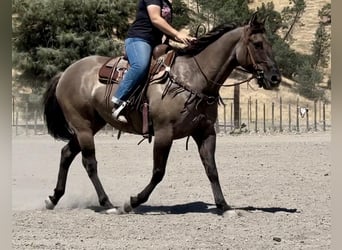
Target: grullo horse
[{"x": 182, "y": 105}]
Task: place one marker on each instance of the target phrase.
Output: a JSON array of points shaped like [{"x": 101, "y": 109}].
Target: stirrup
[{"x": 116, "y": 113}]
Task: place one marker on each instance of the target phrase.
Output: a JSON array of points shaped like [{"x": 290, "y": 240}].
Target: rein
[
  {"x": 259, "y": 72},
  {"x": 193, "y": 95},
  {"x": 224, "y": 85}
]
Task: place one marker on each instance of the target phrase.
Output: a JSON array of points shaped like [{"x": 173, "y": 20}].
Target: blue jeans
[{"x": 139, "y": 54}]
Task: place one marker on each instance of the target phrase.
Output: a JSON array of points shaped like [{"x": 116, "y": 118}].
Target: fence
[
  {"x": 253, "y": 116},
  {"x": 277, "y": 116}
]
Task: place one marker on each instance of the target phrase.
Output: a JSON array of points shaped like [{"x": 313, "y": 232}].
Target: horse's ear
[
  {"x": 254, "y": 19},
  {"x": 265, "y": 20}
]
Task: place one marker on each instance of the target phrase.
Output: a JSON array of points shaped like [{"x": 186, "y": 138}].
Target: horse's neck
[{"x": 218, "y": 60}]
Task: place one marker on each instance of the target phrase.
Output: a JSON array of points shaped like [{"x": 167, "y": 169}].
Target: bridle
[
  {"x": 172, "y": 79},
  {"x": 258, "y": 75}
]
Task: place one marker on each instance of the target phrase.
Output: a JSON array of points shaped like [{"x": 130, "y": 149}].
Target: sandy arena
[{"x": 278, "y": 184}]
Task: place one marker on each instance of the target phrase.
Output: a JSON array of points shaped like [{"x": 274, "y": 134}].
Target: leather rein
[
  {"x": 213, "y": 99},
  {"x": 259, "y": 72}
]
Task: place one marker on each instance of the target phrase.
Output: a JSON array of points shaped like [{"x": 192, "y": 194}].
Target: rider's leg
[{"x": 139, "y": 55}]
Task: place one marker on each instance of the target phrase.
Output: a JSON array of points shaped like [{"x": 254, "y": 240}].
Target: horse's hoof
[
  {"x": 112, "y": 211},
  {"x": 115, "y": 210},
  {"x": 127, "y": 207},
  {"x": 232, "y": 213},
  {"x": 223, "y": 207},
  {"x": 48, "y": 204}
]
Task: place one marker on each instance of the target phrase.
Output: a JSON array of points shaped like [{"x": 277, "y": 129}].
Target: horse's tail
[{"x": 53, "y": 114}]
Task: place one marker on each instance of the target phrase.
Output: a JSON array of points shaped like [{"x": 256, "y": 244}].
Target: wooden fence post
[
  {"x": 264, "y": 111},
  {"x": 248, "y": 113},
  {"x": 236, "y": 106},
  {"x": 297, "y": 115},
  {"x": 289, "y": 117},
  {"x": 273, "y": 127},
  {"x": 231, "y": 116},
  {"x": 35, "y": 122},
  {"x": 26, "y": 118},
  {"x": 240, "y": 117},
  {"x": 324, "y": 117},
  {"x": 256, "y": 115},
  {"x": 280, "y": 114},
  {"x": 315, "y": 115},
  {"x": 320, "y": 111},
  {"x": 44, "y": 127},
  {"x": 217, "y": 125},
  {"x": 225, "y": 118},
  {"x": 13, "y": 109},
  {"x": 307, "y": 118},
  {"x": 16, "y": 122}
]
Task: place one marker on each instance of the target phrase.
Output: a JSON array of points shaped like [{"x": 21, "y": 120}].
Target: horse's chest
[{"x": 193, "y": 121}]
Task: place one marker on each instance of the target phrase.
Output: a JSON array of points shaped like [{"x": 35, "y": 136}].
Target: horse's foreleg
[
  {"x": 206, "y": 146},
  {"x": 86, "y": 140},
  {"x": 68, "y": 154},
  {"x": 161, "y": 151}
]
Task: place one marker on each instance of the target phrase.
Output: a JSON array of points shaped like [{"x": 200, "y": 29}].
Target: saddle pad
[{"x": 113, "y": 70}]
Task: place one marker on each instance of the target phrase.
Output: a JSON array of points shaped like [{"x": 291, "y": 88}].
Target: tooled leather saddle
[{"x": 113, "y": 70}]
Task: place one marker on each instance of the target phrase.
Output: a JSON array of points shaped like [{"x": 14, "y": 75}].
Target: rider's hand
[{"x": 184, "y": 38}]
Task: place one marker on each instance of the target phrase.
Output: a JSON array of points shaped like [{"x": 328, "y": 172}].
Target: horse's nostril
[{"x": 275, "y": 79}]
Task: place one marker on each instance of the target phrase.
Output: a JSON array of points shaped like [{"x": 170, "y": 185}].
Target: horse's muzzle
[{"x": 275, "y": 80}]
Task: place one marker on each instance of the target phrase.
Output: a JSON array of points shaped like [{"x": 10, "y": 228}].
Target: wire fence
[
  {"x": 252, "y": 116},
  {"x": 260, "y": 117}
]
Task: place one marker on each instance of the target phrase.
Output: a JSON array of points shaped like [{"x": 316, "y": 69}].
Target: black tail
[{"x": 53, "y": 114}]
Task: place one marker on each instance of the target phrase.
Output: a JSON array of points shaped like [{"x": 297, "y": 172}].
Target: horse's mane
[{"x": 203, "y": 41}]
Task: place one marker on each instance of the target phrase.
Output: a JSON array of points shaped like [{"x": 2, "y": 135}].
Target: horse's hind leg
[
  {"x": 206, "y": 143},
  {"x": 83, "y": 142},
  {"x": 86, "y": 141},
  {"x": 68, "y": 154}
]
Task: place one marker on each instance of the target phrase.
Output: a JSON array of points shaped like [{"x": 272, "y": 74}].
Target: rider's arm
[{"x": 159, "y": 22}]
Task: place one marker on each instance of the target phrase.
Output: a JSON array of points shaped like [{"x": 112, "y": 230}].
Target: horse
[{"x": 185, "y": 104}]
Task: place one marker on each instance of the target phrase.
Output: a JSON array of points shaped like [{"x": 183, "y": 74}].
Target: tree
[
  {"x": 287, "y": 58},
  {"x": 321, "y": 44},
  {"x": 273, "y": 21},
  {"x": 49, "y": 35},
  {"x": 291, "y": 16},
  {"x": 215, "y": 12},
  {"x": 321, "y": 48},
  {"x": 181, "y": 14},
  {"x": 307, "y": 82},
  {"x": 325, "y": 14}
]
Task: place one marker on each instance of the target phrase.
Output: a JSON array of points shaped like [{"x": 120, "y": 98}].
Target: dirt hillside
[{"x": 303, "y": 35}]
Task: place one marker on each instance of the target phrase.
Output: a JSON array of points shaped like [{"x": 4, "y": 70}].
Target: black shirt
[{"x": 143, "y": 28}]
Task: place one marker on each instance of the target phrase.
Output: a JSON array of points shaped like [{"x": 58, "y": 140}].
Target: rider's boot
[{"x": 117, "y": 110}]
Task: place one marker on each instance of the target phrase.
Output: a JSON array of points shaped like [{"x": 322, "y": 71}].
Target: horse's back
[
  {"x": 82, "y": 73},
  {"x": 75, "y": 88}
]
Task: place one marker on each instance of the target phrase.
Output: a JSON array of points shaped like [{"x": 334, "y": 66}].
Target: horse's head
[{"x": 254, "y": 53}]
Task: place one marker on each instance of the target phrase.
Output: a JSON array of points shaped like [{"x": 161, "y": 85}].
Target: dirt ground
[{"x": 278, "y": 184}]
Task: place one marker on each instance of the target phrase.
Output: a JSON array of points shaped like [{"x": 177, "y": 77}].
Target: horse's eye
[{"x": 258, "y": 45}]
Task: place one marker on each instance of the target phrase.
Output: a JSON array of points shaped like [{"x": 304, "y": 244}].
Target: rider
[{"x": 152, "y": 21}]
